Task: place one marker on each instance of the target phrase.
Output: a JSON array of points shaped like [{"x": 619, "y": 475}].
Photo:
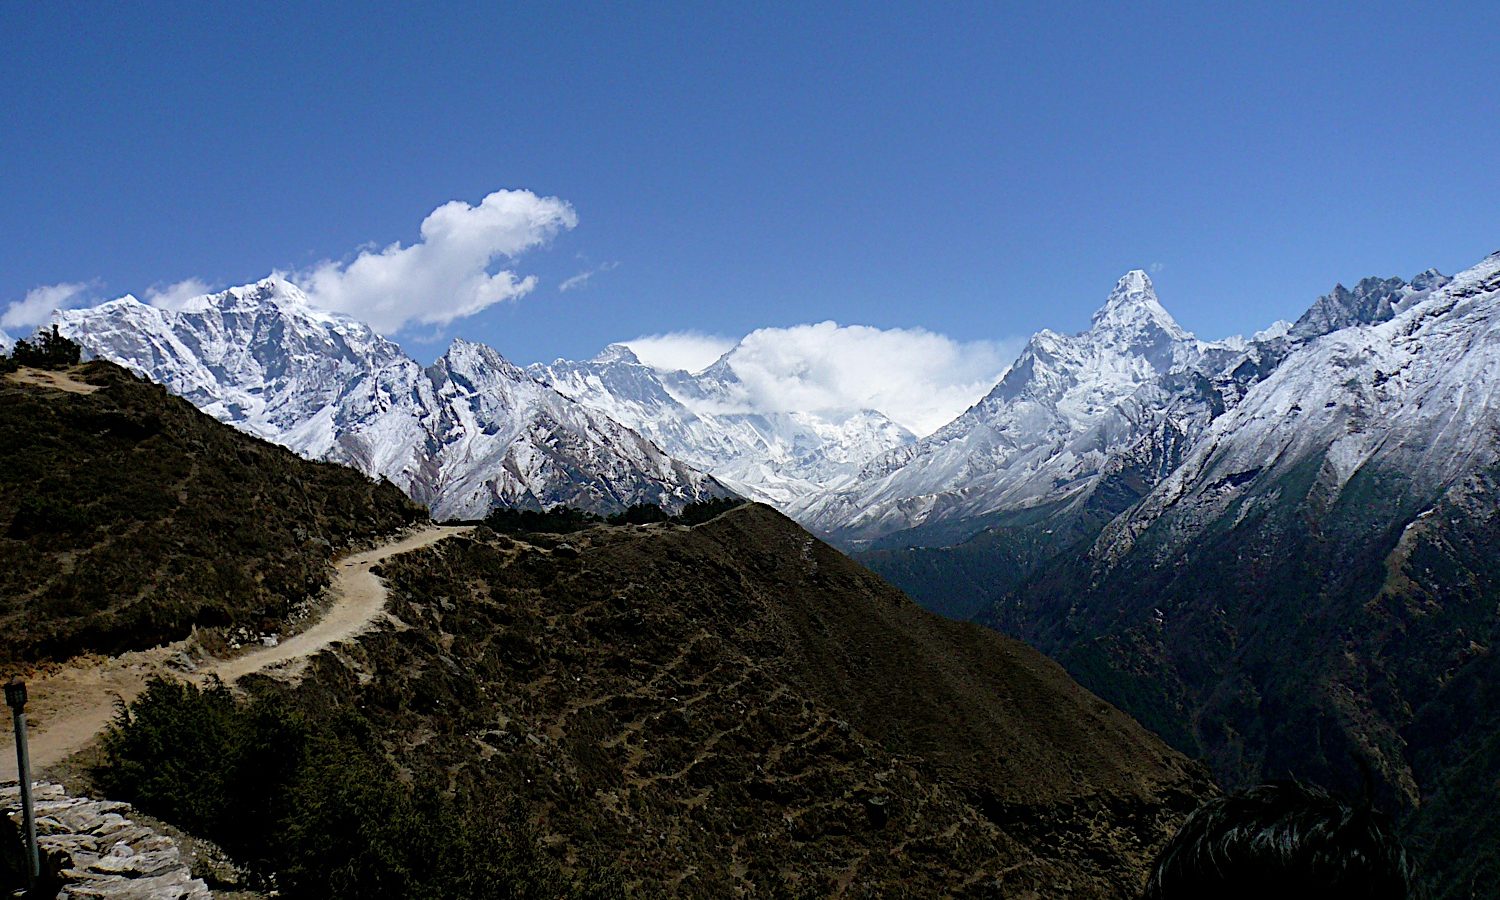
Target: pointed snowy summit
[
  {"x": 617, "y": 353},
  {"x": 1132, "y": 306},
  {"x": 272, "y": 290}
]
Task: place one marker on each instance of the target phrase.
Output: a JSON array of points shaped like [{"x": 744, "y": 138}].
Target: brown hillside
[
  {"x": 127, "y": 517},
  {"x": 738, "y": 709}
]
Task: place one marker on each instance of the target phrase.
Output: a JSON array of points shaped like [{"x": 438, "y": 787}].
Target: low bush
[
  {"x": 566, "y": 519},
  {"x": 48, "y": 350},
  {"x": 314, "y": 810}
]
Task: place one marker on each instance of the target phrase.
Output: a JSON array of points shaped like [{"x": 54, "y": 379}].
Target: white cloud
[
  {"x": 921, "y": 379},
  {"x": 173, "y": 296},
  {"x": 447, "y": 274},
  {"x": 1156, "y": 268},
  {"x": 692, "y": 351},
  {"x": 38, "y": 304},
  {"x": 582, "y": 278}
]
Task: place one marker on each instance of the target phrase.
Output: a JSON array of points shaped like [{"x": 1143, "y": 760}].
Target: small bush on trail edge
[
  {"x": 313, "y": 809},
  {"x": 557, "y": 520},
  {"x": 640, "y": 514},
  {"x": 698, "y": 513},
  {"x": 566, "y": 519},
  {"x": 48, "y": 350}
]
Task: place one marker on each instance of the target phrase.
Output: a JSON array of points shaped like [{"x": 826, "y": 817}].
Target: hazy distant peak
[
  {"x": 478, "y": 361},
  {"x": 617, "y": 353},
  {"x": 1277, "y": 329}
]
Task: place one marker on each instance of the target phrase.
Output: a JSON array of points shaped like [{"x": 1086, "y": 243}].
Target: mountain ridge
[
  {"x": 704, "y": 420},
  {"x": 128, "y": 518},
  {"x": 1311, "y": 592},
  {"x": 469, "y": 432},
  {"x": 1043, "y": 434}
]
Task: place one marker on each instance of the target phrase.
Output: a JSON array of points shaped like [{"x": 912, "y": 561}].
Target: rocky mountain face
[
  {"x": 703, "y": 419},
  {"x": 1126, "y": 394},
  {"x": 1372, "y": 301},
  {"x": 736, "y": 708},
  {"x": 1313, "y": 591},
  {"x": 1038, "y": 494},
  {"x": 462, "y": 436}
]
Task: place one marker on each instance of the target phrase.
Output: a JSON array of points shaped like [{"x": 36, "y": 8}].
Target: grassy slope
[
  {"x": 736, "y": 706},
  {"x": 127, "y": 517},
  {"x": 1319, "y": 640}
]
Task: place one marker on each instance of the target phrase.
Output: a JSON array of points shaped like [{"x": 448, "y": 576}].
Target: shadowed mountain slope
[
  {"x": 127, "y": 517},
  {"x": 738, "y": 708},
  {"x": 1314, "y": 591}
]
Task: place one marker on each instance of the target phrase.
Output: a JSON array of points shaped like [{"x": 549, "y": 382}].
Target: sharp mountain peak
[{"x": 1133, "y": 304}]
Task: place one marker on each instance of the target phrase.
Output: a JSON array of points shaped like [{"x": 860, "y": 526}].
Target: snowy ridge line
[
  {"x": 1135, "y": 393},
  {"x": 462, "y": 436}
]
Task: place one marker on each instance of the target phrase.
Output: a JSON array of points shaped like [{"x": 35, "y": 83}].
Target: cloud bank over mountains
[
  {"x": 462, "y": 264},
  {"x": 175, "y": 296},
  {"x": 921, "y": 379},
  {"x": 689, "y": 351}
]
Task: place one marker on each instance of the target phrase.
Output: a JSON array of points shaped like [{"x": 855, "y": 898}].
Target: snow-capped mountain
[
  {"x": 6, "y": 342},
  {"x": 1135, "y": 384},
  {"x": 466, "y": 434},
  {"x": 1373, "y": 300},
  {"x": 1114, "y": 408},
  {"x": 1312, "y": 592},
  {"x": 1412, "y": 401},
  {"x": 703, "y": 420}
]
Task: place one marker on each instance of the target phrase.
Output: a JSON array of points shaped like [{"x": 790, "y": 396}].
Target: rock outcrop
[{"x": 98, "y": 851}]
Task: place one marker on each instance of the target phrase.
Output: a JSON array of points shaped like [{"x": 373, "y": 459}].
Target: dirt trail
[
  {"x": 69, "y": 706},
  {"x": 62, "y": 381}
]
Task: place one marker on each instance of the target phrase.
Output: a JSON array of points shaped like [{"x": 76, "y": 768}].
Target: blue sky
[{"x": 979, "y": 171}]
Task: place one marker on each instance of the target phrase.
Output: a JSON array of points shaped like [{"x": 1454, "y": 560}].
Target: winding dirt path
[{"x": 69, "y": 706}]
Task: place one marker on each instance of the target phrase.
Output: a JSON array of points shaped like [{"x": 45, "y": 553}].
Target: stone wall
[{"x": 99, "y": 852}]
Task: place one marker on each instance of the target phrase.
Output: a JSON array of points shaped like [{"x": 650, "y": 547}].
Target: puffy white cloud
[
  {"x": 921, "y": 379},
  {"x": 38, "y": 304},
  {"x": 447, "y": 274},
  {"x": 691, "y": 351},
  {"x": 173, "y": 296}
]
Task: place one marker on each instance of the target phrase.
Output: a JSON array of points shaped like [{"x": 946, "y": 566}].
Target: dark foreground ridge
[
  {"x": 734, "y": 708},
  {"x": 127, "y": 517}
]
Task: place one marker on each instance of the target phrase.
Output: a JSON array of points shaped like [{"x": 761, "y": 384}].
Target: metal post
[{"x": 15, "y": 697}]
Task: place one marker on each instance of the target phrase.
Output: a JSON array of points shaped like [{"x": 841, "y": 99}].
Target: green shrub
[
  {"x": 48, "y": 350},
  {"x": 567, "y": 519},
  {"x": 702, "y": 511},
  {"x": 557, "y": 520},
  {"x": 314, "y": 809},
  {"x": 640, "y": 514}
]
